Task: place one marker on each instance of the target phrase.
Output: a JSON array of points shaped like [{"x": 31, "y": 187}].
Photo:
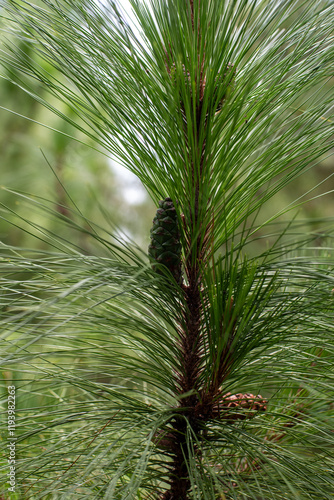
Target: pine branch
[
  {"x": 198, "y": 238},
  {"x": 216, "y": 107}
]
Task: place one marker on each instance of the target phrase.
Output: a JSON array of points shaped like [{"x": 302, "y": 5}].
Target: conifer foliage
[{"x": 199, "y": 370}]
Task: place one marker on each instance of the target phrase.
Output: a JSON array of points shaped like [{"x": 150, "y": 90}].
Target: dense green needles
[{"x": 202, "y": 370}]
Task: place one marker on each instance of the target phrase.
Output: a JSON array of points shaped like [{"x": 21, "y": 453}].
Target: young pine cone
[
  {"x": 165, "y": 247},
  {"x": 231, "y": 406}
]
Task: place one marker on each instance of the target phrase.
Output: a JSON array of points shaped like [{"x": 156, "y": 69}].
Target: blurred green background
[{"x": 67, "y": 174}]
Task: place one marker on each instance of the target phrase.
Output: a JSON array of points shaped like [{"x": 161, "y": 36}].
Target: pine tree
[{"x": 198, "y": 371}]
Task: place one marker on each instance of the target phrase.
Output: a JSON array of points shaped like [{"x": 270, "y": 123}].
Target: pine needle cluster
[{"x": 196, "y": 371}]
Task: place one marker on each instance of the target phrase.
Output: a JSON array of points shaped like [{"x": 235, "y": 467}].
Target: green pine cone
[{"x": 165, "y": 247}]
